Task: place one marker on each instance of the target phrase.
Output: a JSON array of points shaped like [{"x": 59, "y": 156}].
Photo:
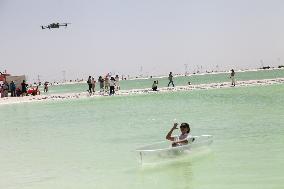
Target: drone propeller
[{"x": 65, "y": 24}]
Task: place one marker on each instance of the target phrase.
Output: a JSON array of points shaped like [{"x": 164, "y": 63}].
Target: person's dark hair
[{"x": 185, "y": 125}]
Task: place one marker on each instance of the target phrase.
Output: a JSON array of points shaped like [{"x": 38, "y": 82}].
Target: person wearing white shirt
[
  {"x": 117, "y": 82},
  {"x": 111, "y": 86},
  {"x": 182, "y": 139}
]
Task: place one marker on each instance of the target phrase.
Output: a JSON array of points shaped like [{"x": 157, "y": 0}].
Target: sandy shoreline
[{"x": 81, "y": 95}]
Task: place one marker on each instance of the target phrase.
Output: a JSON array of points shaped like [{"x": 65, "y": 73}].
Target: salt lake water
[{"x": 90, "y": 143}]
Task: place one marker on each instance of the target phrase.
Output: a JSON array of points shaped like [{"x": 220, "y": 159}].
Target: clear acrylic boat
[{"x": 164, "y": 151}]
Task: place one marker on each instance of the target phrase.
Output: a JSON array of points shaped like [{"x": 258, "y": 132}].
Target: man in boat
[{"x": 182, "y": 139}]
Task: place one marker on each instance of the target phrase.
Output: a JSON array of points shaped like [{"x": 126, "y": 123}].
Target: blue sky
[{"x": 123, "y": 36}]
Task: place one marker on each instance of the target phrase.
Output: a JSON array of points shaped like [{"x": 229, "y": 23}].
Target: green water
[
  {"x": 90, "y": 143},
  {"x": 179, "y": 81}
]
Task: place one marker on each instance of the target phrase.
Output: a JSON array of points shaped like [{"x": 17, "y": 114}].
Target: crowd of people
[
  {"x": 108, "y": 84},
  {"x": 111, "y": 85},
  {"x": 22, "y": 90}
]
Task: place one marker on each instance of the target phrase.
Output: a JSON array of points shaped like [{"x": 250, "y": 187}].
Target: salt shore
[
  {"x": 175, "y": 76},
  {"x": 56, "y": 97}
]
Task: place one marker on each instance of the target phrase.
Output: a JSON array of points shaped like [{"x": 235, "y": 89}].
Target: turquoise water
[
  {"x": 180, "y": 81},
  {"x": 90, "y": 143}
]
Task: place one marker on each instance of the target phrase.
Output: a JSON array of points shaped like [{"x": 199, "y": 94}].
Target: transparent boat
[{"x": 164, "y": 151}]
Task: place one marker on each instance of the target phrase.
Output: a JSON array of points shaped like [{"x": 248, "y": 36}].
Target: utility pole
[
  {"x": 261, "y": 61},
  {"x": 38, "y": 79},
  {"x": 141, "y": 71},
  {"x": 185, "y": 69},
  {"x": 64, "y": 76}
]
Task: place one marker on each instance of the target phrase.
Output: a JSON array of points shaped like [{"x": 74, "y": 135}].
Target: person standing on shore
[
  {"x": 93, "y": 84},
  {"x": 24, "y": 88},
  {"x": 5, "y": 88},
  {"x": 232, "y": 76},
  {"x": 13, "y": 89},
  {"x": 45, "y": 89},
  {"x": 89, "y": 81},
  {"x": 1, "y": 91},
  {"x": 171, "y": 79},
  {"x": 117, "y": 86},
  {"x": 111, "y": 86},
  {"x": 106, "y": 83},
  {"x": 101, "y": 81}
]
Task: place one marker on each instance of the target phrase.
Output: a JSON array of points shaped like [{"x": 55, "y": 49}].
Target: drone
[{"x": 55, "y": 25}]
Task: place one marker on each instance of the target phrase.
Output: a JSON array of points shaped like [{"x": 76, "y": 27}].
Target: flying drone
[{"x": 55, "y": 25}]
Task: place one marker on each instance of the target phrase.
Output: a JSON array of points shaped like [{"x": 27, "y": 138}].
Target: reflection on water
[{"x": 174, "y": 172}]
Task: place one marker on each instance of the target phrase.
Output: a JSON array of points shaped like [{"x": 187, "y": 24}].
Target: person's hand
[{"x": 175, "y": 125}]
